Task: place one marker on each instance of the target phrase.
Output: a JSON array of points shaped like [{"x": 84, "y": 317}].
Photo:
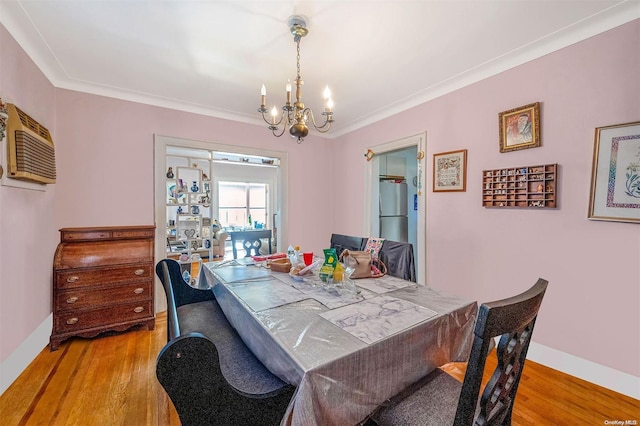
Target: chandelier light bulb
[{"x": 327, "y": 93}]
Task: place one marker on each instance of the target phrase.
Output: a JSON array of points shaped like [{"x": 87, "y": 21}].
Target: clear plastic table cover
[{"x": 339, "y": 378}]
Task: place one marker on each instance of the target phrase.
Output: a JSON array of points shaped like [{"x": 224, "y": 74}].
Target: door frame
[
  {"x": 372, "y": 170},
  {"x": 160, "y": 143}
]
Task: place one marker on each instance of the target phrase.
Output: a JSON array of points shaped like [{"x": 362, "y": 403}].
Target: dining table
[{"x": 346, "y": 349}]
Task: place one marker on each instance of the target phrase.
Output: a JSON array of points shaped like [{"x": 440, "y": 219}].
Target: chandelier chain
[{"x": 298, "y": 57}]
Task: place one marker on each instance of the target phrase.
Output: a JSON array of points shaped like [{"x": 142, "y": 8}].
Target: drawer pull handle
[
  {"x": 138, "y": 290},
  {"x": 139, "y": 272},
  {"x": 138, "y": 309},
  {"x": 73, "y": 299},
  {"x": 73, "y": 279},
  {"x": 72, "y": 320}
]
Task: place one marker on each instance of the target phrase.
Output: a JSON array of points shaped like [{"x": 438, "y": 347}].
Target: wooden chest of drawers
[{"x": 102, "y": 281}]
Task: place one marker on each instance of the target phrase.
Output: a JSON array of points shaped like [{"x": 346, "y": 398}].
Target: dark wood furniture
[
  {"x": 102, "y": 281},
  {"x": 251, "y": 241},
  {"x": 526, "y": 186},
  {"x": 211, "y": 376},
  {"x": 439, "y": 399}
]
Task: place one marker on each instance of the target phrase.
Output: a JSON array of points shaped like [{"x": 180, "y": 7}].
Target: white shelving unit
[{"x": 188, "y": 212}]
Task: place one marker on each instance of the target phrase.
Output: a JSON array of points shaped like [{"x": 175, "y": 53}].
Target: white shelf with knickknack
[
  {"x": 191, "y": 238},
  {"x": 188, "y": 212}
]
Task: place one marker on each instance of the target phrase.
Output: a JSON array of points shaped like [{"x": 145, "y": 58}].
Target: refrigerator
[{"x": 393, "y": 211}]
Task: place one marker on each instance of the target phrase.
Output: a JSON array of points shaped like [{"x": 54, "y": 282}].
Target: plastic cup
[{"x": 308, "y": 258}]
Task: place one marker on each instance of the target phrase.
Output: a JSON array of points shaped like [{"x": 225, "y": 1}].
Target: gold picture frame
[
  {"x": 615, "y": 174},
  {"x": 450, "y": 171},
  {"x": 520, "y": 128}
]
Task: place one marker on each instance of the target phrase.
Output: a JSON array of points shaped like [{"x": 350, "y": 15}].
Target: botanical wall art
[
  {"x": 450, "y": 171},
  {"x": 615, "y": 176},
  {"x": 520, "y": 128}
]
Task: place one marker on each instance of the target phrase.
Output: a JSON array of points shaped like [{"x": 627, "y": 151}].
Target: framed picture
[
  {"x": 450, "y": 171},
  {"x": 520, "y": 128},
  {"x": 615, "y": 176}
]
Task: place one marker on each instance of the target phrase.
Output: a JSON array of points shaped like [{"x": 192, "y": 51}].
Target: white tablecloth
[{"x": 340, "y": 378}]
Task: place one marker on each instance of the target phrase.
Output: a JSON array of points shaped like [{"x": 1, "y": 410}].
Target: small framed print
[
  {"x": 450, "y": 171},
  {"x": 520, "y": 128},
  {"x": 615, "y": 175}
]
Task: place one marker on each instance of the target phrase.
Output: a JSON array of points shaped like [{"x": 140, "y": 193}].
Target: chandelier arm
[
  {"x": 285, "y": 113},
  {"x": 327, "y": 122},
  {"x": 274, "y": 128},
  {"x": 290, "y": 116},
  {"x": 270, "y": 122}
]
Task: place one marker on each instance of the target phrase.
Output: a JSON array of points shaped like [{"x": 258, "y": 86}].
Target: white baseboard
[
  {"x": 20, "y": 358},
  {"x": 601, "y": 375}
]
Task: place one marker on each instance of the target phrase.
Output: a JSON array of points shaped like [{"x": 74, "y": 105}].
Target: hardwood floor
[{"x": 111, "y": 380}]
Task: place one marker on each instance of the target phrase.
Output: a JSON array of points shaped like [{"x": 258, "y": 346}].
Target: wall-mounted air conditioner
[{"x": 30, "y": 152}]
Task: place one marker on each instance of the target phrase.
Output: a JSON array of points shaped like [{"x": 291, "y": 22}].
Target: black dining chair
[
  {"x": 398, "y": 257},
  {"x": 210, "y": 375},
  {"x": 342, "y": 242},
  {"x": 439, "y": 399},
  {"x": 251, "y": 245}
]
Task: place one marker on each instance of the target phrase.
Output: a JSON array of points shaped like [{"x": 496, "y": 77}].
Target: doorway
[
  {"x": 400, "y": 161},
  {"x": 204, "y": 155}
]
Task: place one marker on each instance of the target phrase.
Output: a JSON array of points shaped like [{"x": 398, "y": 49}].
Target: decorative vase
[{"x": 194, "y": 187}]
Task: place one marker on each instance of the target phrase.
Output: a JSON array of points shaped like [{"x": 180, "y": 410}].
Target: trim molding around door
[
  {"x": 160, "y": 144},
  {"x": 371, "y": 202}
]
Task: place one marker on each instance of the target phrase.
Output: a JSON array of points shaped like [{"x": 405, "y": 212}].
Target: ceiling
[{"x": 378, "y": 57}]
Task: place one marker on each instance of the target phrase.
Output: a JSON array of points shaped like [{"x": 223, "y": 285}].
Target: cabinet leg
[
  {"x": 54, "y": 344},
  {"x": 151, "y": 324}
]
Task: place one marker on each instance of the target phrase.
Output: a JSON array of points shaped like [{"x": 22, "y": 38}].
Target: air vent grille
[
  {"x": 33, "y": 125},
  {"x": 31, "y": 155},
  {"x": 34, "y": 156}
]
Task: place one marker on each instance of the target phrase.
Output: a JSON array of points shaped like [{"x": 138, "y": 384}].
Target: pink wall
[
  {"x": 591, "y": 307},
  {"x": 104, "y": 156},
  {"x": 104, "y": 150},
  {"x": 28, "y": 235},
  {"x": 106, "y": 162}
]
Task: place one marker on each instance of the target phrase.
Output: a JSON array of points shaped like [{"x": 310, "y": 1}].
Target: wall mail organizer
[{"x": 529, "y": 186}]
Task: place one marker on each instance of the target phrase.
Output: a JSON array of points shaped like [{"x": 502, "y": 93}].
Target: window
[{"x": 238, "y": 200}]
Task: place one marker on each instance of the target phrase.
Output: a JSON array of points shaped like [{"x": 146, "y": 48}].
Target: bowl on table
[{"x": 294, "y": 273}]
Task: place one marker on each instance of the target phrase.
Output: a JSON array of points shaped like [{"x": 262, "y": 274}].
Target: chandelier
[{"x": 296, "y": 116}]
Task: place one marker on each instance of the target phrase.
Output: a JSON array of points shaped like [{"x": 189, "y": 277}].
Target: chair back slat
[
  {"x": 252, "y": 246},
  {"x": 513, "y": 320}
]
